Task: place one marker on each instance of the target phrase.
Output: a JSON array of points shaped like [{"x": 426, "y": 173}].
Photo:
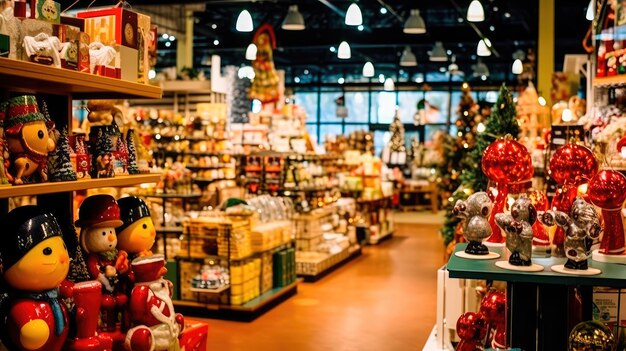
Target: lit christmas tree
[
  {"x": 396, "y": 128},
  {"x": 132, "y": 153},
  {"x": 61, "y": 167},
  {"x": 101, "y": 154}
]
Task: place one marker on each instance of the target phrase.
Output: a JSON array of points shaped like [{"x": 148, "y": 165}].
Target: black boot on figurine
[
  {"x": 571, "y": 264},
  {"x": 476, "y": 248},
  {"x": 516, "y": 260}
]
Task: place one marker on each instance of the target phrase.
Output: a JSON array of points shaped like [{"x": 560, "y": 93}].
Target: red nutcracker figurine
[
  {"x": 98, "y": 217},
  {"x": 151, "y": 310},
  {"x": 86, "y": 297},
  {"x": 136, "y": 236},
  {"x": 35, "y": 261}
]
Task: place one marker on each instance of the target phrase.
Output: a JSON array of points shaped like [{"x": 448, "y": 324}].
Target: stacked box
[
  {"x": 270, "y": 235},
  {"x": 291, "y": 265},
  {"x": 245, "y": 281},
  {"x": 218, "y": 236},
  {"x": 267, "y": 281},
  {"x": 280, "y": 268}
]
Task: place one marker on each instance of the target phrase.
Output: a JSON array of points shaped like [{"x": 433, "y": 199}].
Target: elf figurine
[
  {"x": 136, "y": 235},
  {"x": 98, "y": 217},
  {"x": 35, "y": 261},
  {"x": 151, "y": 310}
]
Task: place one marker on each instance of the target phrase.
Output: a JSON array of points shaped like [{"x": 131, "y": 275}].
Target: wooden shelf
[
  {"x": 53, "y": 80},
  {"x": 610, "y": 82},
  {"x": 83, "y": 184},
  {"x": 172, "y": 196}
]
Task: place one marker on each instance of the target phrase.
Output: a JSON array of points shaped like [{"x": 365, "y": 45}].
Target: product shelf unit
[{"x": 538, "y": 311}]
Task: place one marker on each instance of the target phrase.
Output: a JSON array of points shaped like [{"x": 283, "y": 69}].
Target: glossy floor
[{"x": 383, "y": 300}]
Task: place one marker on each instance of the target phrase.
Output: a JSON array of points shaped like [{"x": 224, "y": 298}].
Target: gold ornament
[{"x": 591, "y": 336}]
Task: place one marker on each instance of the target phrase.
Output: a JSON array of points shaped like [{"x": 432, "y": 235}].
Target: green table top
[{"x": 613, "y": 275}]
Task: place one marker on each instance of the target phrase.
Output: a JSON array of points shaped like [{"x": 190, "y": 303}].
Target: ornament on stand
[
  {"x": 519, "y": 235},
  {"x": 570, "y": 166},
  {"x": 474, "y": 213},
  {"x": 98, "y": 216},
  {"x": 504, "y": 162},
  {"x": 606, "y": 190},
  {"x": 27, "y": 138},
  {"x": 541, "y": 238},
  {"x": 493, "y": 307},
  {"x": 137, "y": 234},
  {"x": 591, "y": 335},
  {"x": 582, "y": 228},
  {"x": 86, "y": 297},
  {"x": 61, "y": 169},
  {"x": 156, "y": 325},
  {"x": 34, "y": 263},
  {"x": 472, "y": 328}
]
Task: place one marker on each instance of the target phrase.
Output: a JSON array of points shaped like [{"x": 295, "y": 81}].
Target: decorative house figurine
[
  {"x": 519, "y": 235},
  {"x": 475, "y": 212},
  {"x": 472, "y": 328},
  {"x": 582, "y": 227},
  {"x": 27, "y": 139},
  {"x": 157, "y": 326},
  {"x": 136, "y": 236},
  {"x": 98, "y": 217},
  {"x": 35, "y": 261}
]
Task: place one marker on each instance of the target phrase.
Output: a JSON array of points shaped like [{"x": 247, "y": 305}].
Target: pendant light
[
  {"x": 590, "y": 11},
  {"x": 483, "y": 48},
  {"x": 389, "y": 85},
  {"x": 408, "y": 58},
  {"x": 293, "y": 20},
  {"x": 475, "y": 12},
  {"x": 415, "y": 23},
  {"x": 368, "y": 70},
  {"x": 344, "y": 51},
  {"x": 354, "y": 16},
  {"x": 438, "y": 53},
  {"x": 517, "y": 68},
  {"x": 251, "y": 52},
  {"x": 244, "y": 22}
]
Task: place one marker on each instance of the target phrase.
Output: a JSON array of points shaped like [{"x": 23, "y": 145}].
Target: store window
[
  {"x": 329, "y": 129},
  {"x": 384, "y": 105},
  {"x": 312, "y": 130},
  {"x": 308, "y": 100},
  {"x": 357, "y": 102},
  {"x": 438, "y": 103},
  {"x": 407, "y": 102},
  {"x": 349, "y": 128},
  {"x": 328, "y": 108}
]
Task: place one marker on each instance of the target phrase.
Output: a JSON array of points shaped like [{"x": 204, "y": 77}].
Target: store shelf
[
  {"x": 377, "y": 240},
  {"x": 246, "y": 312},
  {"x": 210, "y": 167},
  {"x": 210, "y": 291},
  {"x": 172, "y": 196},
  {"x": 82, "y": 184},
  {"x": 610, "y": 82},
  {"x": 352, "y": 253},
  {"x": 170, "y": 230},
  {"x": 48, "y": 79},
  {"x": 613, "y": 275},
  {"x": 209, "y": 180}
]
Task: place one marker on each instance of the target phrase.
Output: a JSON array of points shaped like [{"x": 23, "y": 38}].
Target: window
[
  {"x": 407, "y": 102},
  {"x": 328, "y": 107},
  {"x": 384, "y": 106},
  {"x": 329, "y": 129},
  {"x": 356, "y": 102},
  {"x": 308, "y": 100},
  {"x": 312, "y": 130},
  {"x": 438, "y": 102},
  {"x": 349, "y": 128}
]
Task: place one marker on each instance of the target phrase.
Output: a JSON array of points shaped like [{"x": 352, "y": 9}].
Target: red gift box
[
  {"x": 111, "y": 26},
  {"x": 194, "y": 337}
]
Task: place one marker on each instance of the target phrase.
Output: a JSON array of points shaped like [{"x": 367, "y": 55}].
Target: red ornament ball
[
  {"x": 573, "y": 164},
  {"x": 493, "y": 306},
  {"x": 538, "y": 199},
  {"x": 607, "y": 189},
  {"x": 472, "y": 326},
  {"x": 507, "y": 161}
]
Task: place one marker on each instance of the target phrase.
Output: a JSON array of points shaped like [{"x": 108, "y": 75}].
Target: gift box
[
  {"x": 194, "y": 337},
  {"x": 70, "y": 36},
  {"x": 143, "y": 46},
  {"x": 48, "y": 11},
  {"x": 111, "y": 26},
  {"x": 127, "y": 62}
]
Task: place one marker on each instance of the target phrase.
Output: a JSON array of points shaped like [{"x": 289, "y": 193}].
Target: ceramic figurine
[
  {"x": 136, "y": 236},
  {"x": 27, "y": 138},
  {"x": 582, "y": 228},
  {"x": 98, "y": 217},
  {"x": 475, "y": 213},
  {"x": 472, "y": 328},
  {"x": 35, "y": 261},
  {"x": 518, "y": 226},
  {"x": 157, "y": 326}
]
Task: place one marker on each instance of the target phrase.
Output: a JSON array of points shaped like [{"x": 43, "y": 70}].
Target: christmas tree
[
  {"x": 101, "y": 153},
  {"x": 396, "y": 128},
  {"x": 456, "y": 149},
  {"x": 132, "y": 153},
  {"x": 503, "y": 121},
  {"x": 61, "y": 167}
]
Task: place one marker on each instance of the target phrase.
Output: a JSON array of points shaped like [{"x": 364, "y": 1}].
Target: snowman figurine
[{"x": 98, "y": 217}]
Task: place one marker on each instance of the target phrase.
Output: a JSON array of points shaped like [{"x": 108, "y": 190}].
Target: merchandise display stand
[
  {"x": 331, "y": 264},
  {"x": 547, "y": 326},
  {"x": 370, "y": 208}
]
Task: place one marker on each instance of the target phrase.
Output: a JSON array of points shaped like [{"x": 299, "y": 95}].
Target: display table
[
  {"x": 410, "y": 191},
  {"x": 541, "y": 306}
]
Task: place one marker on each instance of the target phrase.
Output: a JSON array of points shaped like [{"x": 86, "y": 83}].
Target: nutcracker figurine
[
  {"x": 136, "y": 236},
  {"x": 157, "y": 326},
  {"x": 98, "y": 217},
  {"x": 475, "y": 213},
  {"x": 35, "y": 261}
]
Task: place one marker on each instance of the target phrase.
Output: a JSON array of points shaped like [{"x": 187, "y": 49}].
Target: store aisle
[{"x": 383, "y": 300}]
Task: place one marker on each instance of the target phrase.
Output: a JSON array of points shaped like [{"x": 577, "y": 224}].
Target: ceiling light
[
  {"x": 408, "y": 58},
  {"x": 216, "y": 42},
  {"x": 293, "y": 20},
  {"x": 368, "y": 70},
  {"x": 483, "y": 48},
  {"x": 168, "y": 44},
  {"x": 381, "y": 78},
  {"x": 246, "y": 72},
  {"x": 306, "y": 71},
  {"x": 517, "y": 67},
  {"x": 344, "y": 51},
  {"x": 214, "y": 26},
  {"x": 296, "y": 80},
  {"x": 519, "y": 54},
  {"x": 244, "y": 22},
  {"x": 360, "y": 28},
  {"x": 475, "y": 12},
  {"x": 415, "y": 23},
  {"x": 165, "y": 36},
  {"x": 251, "y": 52},
  {"x": 354, "y": 16},
  {"x": 449, "y": 52},
  {"x": 389, "y": 85},
  {"x": 332, "y": 49},
  {"x": 383, "y": 10},
  {"x": 341, "y": 80},
  {"x": 419, "y": 78},
  {"x": 590, "y": 12},
  {"x": 442, "y": 69},
  {"x": 438, "y": 53},
  {"x": 492, "y": 28},
  {"x": 507, "y": 15},
  {"x": 542, "y": 101}
]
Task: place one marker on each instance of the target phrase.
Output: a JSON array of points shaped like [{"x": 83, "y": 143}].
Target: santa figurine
[
  {"x": 156, "y": 325},
  {"x": 98, "y": 216},
  {"x": 34, "y": 263}
]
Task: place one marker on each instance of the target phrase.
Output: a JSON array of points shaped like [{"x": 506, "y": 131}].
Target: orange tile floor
[{"x": 383, "y": 300}]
